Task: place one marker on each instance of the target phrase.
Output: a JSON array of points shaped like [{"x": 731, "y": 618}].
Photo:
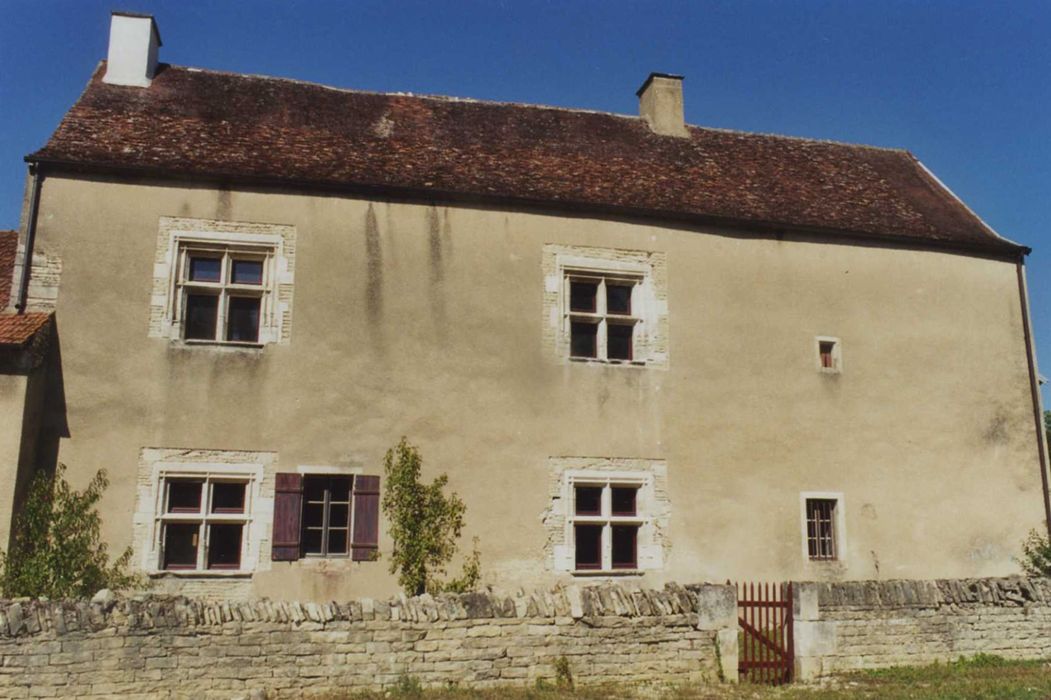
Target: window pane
[
  {"x": 339, "y": 515},
  {"x": 247, "y": 272},
  {"x": 228, "y": 497},
  {"x": 582, "y": 296},
  {"x": 205, "y": 269},
  {"x": 242, "y": 323},
  {"x": 180, "y": 546},
  {"x": 313, "y": 514},
  {"x": 588, "y": 546},
  {"x": 589, "y": 500},
  {"x": 624, "y": 541},
  {"x": 582, "y": 339},
  {"x": 337, "y": 541},
  {"x": 314, "y": 488},
  {"x": 618, "y": 299},
  {"x": 624, "y": 500},
  {"x": 826, "y": 353},
  {"x": 224, "y": 546},
  {"x": 201, "y": 313},
  {"x": 618, "y": 341},
  {"x": 184, "y": 496},
  {"x": 339, "y": 488},
  {"x": 312, "y": 541}
]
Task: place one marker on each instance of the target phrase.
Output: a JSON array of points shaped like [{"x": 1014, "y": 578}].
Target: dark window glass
[
  {"x": 624, "y": 500},
  {"x": 184, "y": 496},
  {"x": 582, "y": 339},
  {"x": 180, "y": 546},
  {"x": 326, "y": 515},
  {"x": 242, "y": 323},
  {"x": 201, "y": 314},
  {"x": 618, "y": 341},
  {"x": 228, "y": 497},
  {"x": 582, "y": 296},
  {"x": 821, "y": 533},
  {"x": 618, "y": 299},
  {"x": 624, "y": 539},
  {"x": 247, "y": 272},
  {"x": 224, "y": 546},
  {"x": 589, "y": 500},
  {"x": 312, "y": 541},
  {"x": 205, "y": 269},
  {"x": 826, "y": 353},
  {"x": 588, "y": 546},
  {"x": 337, "y": 541}
]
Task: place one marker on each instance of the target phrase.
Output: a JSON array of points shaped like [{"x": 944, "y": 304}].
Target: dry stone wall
[
  {"x": 174, "y": 647},
  {"x": 871, "y": 624}
]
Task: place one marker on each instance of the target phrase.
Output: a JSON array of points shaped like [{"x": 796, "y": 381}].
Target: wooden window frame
[
  {"x": 204, "y": 518},
  {"x": 601, "y": 317},
  {"x": 607, "y": 520},
  {"x": 325, "y": 522},
  {"x": 225, "y": 289}
]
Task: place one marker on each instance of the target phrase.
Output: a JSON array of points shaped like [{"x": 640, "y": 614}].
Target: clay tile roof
[
  {"x": 197, "y": 123},
  {"x": 18, "y": 329},
  {"x": 8, "y": 245}
]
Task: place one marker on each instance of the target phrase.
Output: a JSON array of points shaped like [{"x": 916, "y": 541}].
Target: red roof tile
[
  {"x": 8, "y": 245},
  {"x": 208, "y": 124},
  {"x": 18, "y": 329}
]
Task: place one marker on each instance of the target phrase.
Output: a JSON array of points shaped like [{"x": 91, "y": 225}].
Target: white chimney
[
  {"x": 133, "y": 43},
  {"x": 660, "y": 104}
]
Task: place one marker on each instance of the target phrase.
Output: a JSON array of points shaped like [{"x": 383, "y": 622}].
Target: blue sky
[{"x": 963, "y": 85}]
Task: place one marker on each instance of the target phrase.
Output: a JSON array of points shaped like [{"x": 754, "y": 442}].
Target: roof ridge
[{"x": 529, "y": 105}]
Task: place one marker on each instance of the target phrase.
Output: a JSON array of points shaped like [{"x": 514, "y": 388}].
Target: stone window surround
[
  {"x": 277, "y": 241},
  {"x": 840, "y": 525},
  {"x": 837, "y": 354},
  {"x": 649, "y": 299},
  {"x": 653, "y": 509},
  {"x": 158, "y": 464}
]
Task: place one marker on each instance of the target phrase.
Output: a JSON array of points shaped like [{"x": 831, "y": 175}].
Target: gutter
[
  {"x": 1034, "y": 389},
  {"x": 27, "y": 258}
]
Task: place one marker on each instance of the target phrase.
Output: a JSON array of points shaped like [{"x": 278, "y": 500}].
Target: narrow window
[
  {"x": 589, "y": 500},
  {"x": 821, "y": 528},
  {"x": 619, "y": 341},
  {"x": 326, "y": 516},
  {"x": 625, "y": 541},
  {"x": 826, "y": 348},
  {"x": 589, "y": 546}
]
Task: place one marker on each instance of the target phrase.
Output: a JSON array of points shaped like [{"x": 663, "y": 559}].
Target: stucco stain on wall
[
  {"x": 374, "y": 268},
  {"x": 222, "y": 204}
]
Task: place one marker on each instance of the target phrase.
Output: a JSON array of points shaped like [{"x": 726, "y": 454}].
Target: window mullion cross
[
  {"x": 600, "y": 309},
  {"x": 327, "y": 500},
  {"x": 607, "y": 531}
]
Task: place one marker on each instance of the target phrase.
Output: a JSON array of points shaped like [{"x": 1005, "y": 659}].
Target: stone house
[{"x": 640, "y": 349}]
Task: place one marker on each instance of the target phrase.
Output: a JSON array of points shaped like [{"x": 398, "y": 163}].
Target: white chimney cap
[{"x": 133, "y": 43}]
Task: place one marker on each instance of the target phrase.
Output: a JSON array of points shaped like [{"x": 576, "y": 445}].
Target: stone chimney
[
  {"x": 660, "y": 104},
  {"x": 133, "y": 43}
]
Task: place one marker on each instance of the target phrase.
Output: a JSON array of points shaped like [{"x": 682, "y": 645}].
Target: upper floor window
[
  {"x": 829, "y": 354},
  {"x": 606, "y": 306},
  {"x": 223, "y": 282},
  {"x": 601, "y": 319},
  {"x": 223, "y": 292}
]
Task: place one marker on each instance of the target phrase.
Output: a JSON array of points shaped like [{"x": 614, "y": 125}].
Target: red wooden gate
[{"x": 764, "y": 613}]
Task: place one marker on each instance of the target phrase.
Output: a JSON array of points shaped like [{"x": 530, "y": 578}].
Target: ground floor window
[
  {"x": 326, "y": 516},
  {"x": 823, "y": 526},
  {"x": 605, "y": 522},
  {"x": 203, "y": 522}
]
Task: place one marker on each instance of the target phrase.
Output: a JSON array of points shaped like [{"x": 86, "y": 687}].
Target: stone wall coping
[
  {"x": 1007, "y": 591},
  {"x": 145, "y": 611}
]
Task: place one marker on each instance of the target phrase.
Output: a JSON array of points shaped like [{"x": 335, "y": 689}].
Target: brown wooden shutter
[
  {"x": 288, "y": 508},
  {"x": 366, "y": 537}
]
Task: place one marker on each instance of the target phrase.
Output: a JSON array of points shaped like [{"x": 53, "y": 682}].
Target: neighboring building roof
[
  {"x": 197, "y": 123},
  {"x": 19, "y": 329},
  {"x": 8, "y": 246}
]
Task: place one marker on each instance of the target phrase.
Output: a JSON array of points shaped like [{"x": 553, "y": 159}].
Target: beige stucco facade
[{"x": 429, "y": 321}]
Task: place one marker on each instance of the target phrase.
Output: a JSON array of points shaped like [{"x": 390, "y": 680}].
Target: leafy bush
[
  {"x": 425, "y": 525},
  {"x": 57, "y": 550},
  {"x": 1036, "y": 555}
]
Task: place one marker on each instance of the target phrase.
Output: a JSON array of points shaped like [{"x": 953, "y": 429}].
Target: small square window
[
  {"x": 606, "y": 525},
  {"x": 618, "y": 299},
  {"x": 228, "y": 497},
  {"x": 828, "y": 355},
  {"x": 224, "y": 546},
  {"x": 220, "y": 292},
  {"x": 600, "y": 317},
  {"x": 205, "y": 269},
  {"x": 247, "y": 271},
  {"x": 624, "y": 500},
  {"x": 203, "y": 523},
  {"x": 184, "y": 496},
  {"x": 582, "y": 296}
]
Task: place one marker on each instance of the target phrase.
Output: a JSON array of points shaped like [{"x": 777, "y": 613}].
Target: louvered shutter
[
  {"x": 366, "y": 538},
  {"x": 288, "y": 508}
]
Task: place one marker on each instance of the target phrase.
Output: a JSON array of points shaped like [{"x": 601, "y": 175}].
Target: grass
[{"x": 982, "y": 677}]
